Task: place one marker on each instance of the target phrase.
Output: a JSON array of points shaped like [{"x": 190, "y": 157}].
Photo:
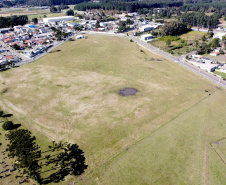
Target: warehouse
[{"x": 58, "y": 19}]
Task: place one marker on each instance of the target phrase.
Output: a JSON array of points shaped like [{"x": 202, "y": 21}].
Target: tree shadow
[
  {"x": 69, "y": 162},
  {"x": 55, "y": 51},
  {"x": 15, "y": 126},
  {"x": 7, "y": 115}
]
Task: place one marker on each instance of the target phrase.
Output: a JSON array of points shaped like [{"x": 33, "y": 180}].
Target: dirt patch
[{"x": 128, "y": 91}]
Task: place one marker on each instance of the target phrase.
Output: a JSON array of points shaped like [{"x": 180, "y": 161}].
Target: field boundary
[{"x": 211, "y": 144}]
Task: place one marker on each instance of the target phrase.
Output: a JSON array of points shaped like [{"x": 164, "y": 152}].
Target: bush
[
  {"x": 7, "y": 125},
  {"x": 171, "y": 38},
  {"x": 131, "y": 40}
]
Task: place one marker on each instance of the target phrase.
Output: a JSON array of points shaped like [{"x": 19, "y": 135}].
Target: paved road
[{"x": 217, "y": 81}]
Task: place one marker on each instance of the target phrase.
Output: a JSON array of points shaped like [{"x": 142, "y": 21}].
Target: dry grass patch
[{"x": 72, "y": 95}]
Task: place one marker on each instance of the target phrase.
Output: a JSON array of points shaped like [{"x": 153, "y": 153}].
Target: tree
[
  {"x": 203, "y": 38},
  {"x": 70, "y": 12},
  {"x": 97, "y": 25},
  {"x": 23, "y": 146},
  {"x": 221, "y": 51},
  {"x": 215, "y": 43},
  {"x": 53, "y": 9},
  {"x": 7, "y": 125},
  {"x": 35, "y": 20}
]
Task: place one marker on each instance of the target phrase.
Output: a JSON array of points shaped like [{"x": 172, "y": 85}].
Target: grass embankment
[{"x": 156, "y": 136}]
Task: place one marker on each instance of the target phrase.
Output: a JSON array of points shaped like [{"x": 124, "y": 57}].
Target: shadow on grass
[
  {"x": 71, "y": 161},
  {"x": 7, "y": 115},
  {"x": 55, "y": 51},
  {"x": 15, "y": 126}
]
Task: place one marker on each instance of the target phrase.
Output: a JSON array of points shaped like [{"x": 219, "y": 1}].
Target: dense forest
[
  {"x": 11, "y": 21},
  {"x": 41, "y": 2},
  {"x": 200, "y": 19},
  {"x": 124, "y": 3},
  {"x": 129, "y": 6}
]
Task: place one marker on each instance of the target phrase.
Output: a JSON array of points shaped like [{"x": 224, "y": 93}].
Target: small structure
[
  {"x": 147, "y": 37},
  {"x": 146, "y": 28},
  {"x": 79, "y": 37}
]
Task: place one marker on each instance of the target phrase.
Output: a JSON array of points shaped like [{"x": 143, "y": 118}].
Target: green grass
[
  {"x": 40, "y": 16},
  {"x": 155, "y": 137},
  {"x": 223, "y": 75}
]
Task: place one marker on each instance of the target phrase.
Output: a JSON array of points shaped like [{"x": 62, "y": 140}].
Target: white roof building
[
  {"x": 146, "y": 37},
  {"x": 58, "y": 19}
]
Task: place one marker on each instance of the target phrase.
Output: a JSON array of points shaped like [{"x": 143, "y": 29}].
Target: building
[
  {"x": 146, "y": 28},
  {"x": 146, "y": 37},
  {"x": 215, "y": 53},
  {"x": 58, "y": 19}
]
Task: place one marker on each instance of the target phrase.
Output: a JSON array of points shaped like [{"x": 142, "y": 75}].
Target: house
[
  {"x": 9, "y": 57},
  {"x": 215, "y": 53}
]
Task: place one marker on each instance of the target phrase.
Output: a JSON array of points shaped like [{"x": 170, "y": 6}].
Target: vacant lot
[
  {"x": 177, "y": 47},
  {"x": 158, "y": 136}
]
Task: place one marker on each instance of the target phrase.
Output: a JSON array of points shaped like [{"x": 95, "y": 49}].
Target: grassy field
[
  {"x": 223, "y": 75},
  {"x": 32, "y": 13},
  {"x": 158, "y": 136},
  {"x": 189, "y": 37}
]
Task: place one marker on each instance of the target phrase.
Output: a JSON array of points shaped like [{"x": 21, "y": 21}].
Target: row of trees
[
  {"x": 200, "y": 19},
  {"x": 46, "y": 2},
  {"x": 13, "y": 21},
  {"x": 130, "y": 6},
  {"x": 69, "y": 159}
]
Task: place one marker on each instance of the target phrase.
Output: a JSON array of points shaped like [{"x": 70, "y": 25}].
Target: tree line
[
  {"x": 200, "y": 19},
  {"x": 11, "y": 21},
  {"x": 130, "y": 6},
  {"x": 40, "y": 2}
]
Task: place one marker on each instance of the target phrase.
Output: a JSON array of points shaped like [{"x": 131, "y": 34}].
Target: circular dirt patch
[{"x": 128, "y": 91}]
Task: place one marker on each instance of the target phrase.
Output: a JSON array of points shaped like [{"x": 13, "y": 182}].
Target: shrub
[
  {"x": 131, "y": 40},
  {"x": 171, "y": 38},
  {"x": 7, "y": 125}
]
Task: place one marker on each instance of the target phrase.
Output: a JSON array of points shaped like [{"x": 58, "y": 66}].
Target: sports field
[{"x": 161, "y": 135}]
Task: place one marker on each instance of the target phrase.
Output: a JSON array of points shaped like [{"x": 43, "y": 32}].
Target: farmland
[{"x": 160, "y": 135}]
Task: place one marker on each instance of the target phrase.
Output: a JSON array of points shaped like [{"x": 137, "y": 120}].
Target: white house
[{"x": 58, "y": 19}]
